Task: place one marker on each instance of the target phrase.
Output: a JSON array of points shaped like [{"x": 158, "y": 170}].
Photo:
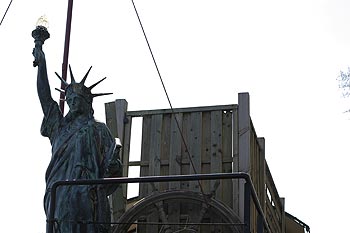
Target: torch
[{"x": 40, "y": 34}]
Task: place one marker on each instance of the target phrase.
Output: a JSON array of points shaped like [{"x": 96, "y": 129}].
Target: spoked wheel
[{"x": 178, "y": 211}]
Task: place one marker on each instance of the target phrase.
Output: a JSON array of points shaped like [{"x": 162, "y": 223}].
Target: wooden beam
[
  {"x": 115, "y": 120},
  {"x": 243, "y": 144}
]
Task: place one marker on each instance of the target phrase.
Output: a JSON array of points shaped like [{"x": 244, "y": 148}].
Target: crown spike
[
  {"x": 71, "y": 75},
  {"x": 100, "y": 94},
  {"x": 60, "y": 90},
  {"x": 87, "y": 73},
  {"x": 94, "y": 85},
  {"x": 62, "y": 80}
]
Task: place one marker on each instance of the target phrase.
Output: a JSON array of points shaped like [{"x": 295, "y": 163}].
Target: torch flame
[{"x": 42, "y": 21}]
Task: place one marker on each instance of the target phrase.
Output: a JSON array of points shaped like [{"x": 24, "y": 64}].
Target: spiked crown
[{"x": 79, "y": 88}]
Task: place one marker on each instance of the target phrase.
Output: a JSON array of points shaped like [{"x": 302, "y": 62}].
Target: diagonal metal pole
[
  {"x": 6, "y": 12},
  {"x": 66, "y": 53}
]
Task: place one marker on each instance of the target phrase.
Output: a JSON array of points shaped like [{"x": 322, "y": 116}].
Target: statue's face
[{"x": 77, "y": 104}]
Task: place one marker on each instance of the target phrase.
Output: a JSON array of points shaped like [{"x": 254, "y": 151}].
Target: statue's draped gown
[{"x": 82, "y": 148}]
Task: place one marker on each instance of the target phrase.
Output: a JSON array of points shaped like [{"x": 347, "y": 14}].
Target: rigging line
[
  {"x": 166, "y": 93},
  {"x": 154, "y": 60},
  {"x": 6, "y": 12}
]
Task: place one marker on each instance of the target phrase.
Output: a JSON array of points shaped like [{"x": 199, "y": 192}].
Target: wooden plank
[
  {"x": 175, "y": 167},
  {"x": 272, "y": 218},
  {"x": 111, "y": 121},
  {"x": 274, "y": 208},
  {"x": 164, "y": 171},
  {"x": 175, "y": 149},
  {"x": 262, "y": 174},
  {"x": 145, "y": 150},
  {"x": 244, "y": 132},
  {"x": 165, "y": 150},
  {"x": 118, "y": 206},
  {"x": 235, "y": 164},
  {"x": 185, "y": 164},
  {"x": 181, "y": 110},
  {"x": 121, "y": 107},
  {"x": 167, "y": 162},
  {"x": 254, "y": 161},
  {"x": 272, "y": 187},
  {"x": 227, "y": 184},
  {"x": 206, "y": 152},
  {"x": 194, "y": 144},
  {"x": 155, "y": 147},
  {"x": 115, "y": 113},
  {"x": 255, "y": 171},
  {"x": 126, "y": 146},
  {"x": 216, "y": 151},
  {"x": 243, "y": 144},
  {"x": 195, "y": 139}
]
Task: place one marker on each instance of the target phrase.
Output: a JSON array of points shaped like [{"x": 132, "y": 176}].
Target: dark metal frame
[{"x": 262, "y": 224}]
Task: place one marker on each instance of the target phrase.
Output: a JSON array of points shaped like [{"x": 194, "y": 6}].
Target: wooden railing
[{"x": 274, "y": 205}]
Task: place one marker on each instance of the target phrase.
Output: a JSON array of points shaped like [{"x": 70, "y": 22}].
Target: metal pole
[
  {"x": 65, "y": 53},
  {"x": 260, "y": 224},
  {"x": 238, "y": 175},
  {"x": 5, "y": 12}
]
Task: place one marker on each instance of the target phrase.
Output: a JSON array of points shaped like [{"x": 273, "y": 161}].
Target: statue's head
[{"x": 79, "y": 97}]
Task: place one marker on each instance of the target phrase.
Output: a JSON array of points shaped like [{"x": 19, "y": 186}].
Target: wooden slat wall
[
  {"x": 217, "y": 139},
  {"x": 207, "y": 148}
]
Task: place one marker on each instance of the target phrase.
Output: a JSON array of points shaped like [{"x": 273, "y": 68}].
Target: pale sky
[{"x": 286, "y": 54}]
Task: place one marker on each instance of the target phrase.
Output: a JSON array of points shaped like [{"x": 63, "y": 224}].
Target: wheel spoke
[{"x": 163, "y": 217}]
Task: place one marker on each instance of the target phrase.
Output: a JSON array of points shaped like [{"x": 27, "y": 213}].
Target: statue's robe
[{"x": 82, "y": 148}]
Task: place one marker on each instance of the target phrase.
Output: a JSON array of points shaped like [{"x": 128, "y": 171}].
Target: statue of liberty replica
[{"x": 82, "y": 148}]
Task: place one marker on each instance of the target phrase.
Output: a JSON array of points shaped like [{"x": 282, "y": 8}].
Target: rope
[
  {"x": 6, "y": 12},
  {"x": 166, "y": 93}
]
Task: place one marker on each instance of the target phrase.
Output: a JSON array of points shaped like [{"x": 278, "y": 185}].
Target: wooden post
[
  {"x": 243, "y": 145},
  {"x": 262, "y": 174},
  {"x": 115, "y": 120},
  {"x": 235, "y": 154}
]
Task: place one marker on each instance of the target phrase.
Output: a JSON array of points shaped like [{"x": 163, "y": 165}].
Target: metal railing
[{"x": 262, "y": 225}]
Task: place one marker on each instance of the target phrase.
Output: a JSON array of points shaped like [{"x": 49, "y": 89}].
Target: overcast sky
[{"x": 286, "y": 54}]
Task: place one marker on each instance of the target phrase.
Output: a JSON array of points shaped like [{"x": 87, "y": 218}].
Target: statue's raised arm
[{"x": 43, "y": 86}]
